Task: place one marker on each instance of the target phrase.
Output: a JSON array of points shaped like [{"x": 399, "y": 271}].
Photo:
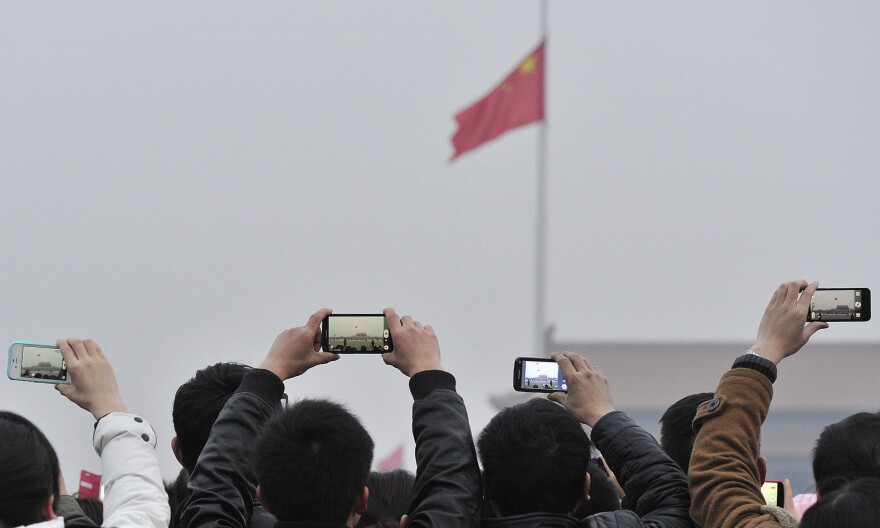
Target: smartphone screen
[
  {"x": 356, "y": 334},
  {"x": 538, "y": 375},
  {"x": 32, "y": 362},
  {"x": 840, "y": 304},
  {"x": 774, "y": 493}
]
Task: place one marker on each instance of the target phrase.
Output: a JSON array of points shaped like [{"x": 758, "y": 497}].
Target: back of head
[
  {"x": 849, "y": 449},
  {"x": 312, "y": 461},
  {"x": 29, "y": 474},
  {"x": 197, "y": 404},
  {"x": 854, "y": 504},
  {"x": 390, "y": 494},
  {"x": 676, "y": 429},
  {"x": 535, "y": 457}
]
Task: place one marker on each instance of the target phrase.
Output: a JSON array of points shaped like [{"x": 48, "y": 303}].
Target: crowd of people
[{"x": 249, "y": 461}]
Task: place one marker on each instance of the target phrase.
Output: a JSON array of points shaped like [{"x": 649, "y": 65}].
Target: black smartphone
[
  {"x": 774, "y": 493},
  {"x": 840, "y": 304},
  {"x": 537, "y": 375},
  {"x": 356, "y": 334}
]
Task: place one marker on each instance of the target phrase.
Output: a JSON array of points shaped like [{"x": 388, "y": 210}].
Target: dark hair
[
  {"x": 849, "y": 448},
  {"x": 312, "y": 462},
  {"x": 603, "y": 493},
  {"x": 29, "y": 473},
  {"x": 535, "y": 458},
  {"x": 197, "y": 404},
  {"x": 854, "y": 504},
  {"x": 390, "y": 494},
  {"x": 676, "y": 428}
]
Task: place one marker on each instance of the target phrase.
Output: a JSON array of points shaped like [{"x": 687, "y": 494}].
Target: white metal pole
[{"x": 541, "y": 211}]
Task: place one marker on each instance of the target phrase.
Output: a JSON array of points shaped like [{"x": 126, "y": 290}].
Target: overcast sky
[{"x": 182, "y": 181}]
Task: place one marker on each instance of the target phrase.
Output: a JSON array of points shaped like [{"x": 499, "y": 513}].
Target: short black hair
[
  {"x": 849, "y": 448},
  {"x": 854, "y": 504},
  {"x": 30, "y": 470},
  {"x": 312, "y": 461},
  {"x": 676, "y": 428},
  {"x": 197, "y": 404},
  {"x": 390, "y": 494},
  {"x": 535, "y": 457}
]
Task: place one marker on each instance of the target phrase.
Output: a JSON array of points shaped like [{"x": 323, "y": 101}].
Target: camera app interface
[
  {"x": 836, "y": 305},
  {"x": 42, "y": 363},
  {"x": 770, "y": 490},
  {"x": 358, "y": 334},
  {"x": 542, "y": 375}
]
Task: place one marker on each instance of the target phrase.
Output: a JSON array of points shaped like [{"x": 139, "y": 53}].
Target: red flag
[
  {"x": 517, "y": 101},
  {"x": 89, "y": 485},
  {"x": 393, "y": 461}
]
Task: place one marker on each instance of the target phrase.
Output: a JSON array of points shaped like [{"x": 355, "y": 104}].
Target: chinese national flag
[
  {"x": 393, "y": 461},
  {"x": 89, "y": 485},
  {"x": 517, "y": 101}
]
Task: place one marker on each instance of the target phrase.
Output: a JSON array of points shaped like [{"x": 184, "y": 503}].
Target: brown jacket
[{"x": 724, "y": 480}]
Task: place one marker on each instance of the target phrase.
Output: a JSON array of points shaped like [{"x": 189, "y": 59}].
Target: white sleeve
[{"x": 134, "y": 491}]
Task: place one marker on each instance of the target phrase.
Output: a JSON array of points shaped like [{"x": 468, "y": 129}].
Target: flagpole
[{"x": 541, "y": 210}]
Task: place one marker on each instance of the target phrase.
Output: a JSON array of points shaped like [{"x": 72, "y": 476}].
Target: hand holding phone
[
  {"x": 417, "y": 348},
  {"x": 92, "y": 381},
  {"x": 589, "y": 397},
  {"x": 297, "y": 349},
  {"x": 782, "y": 331}
]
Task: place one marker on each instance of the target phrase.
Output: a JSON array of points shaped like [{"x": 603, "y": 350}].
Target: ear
[
  {"x": 762, "y": 468},
  {"x": 360, "y": 506},
  {"x": 47, "y": 513},
  {"x": 262, "y": 500},
  {"x": 587, "y": 483},
  {"x": 175, "y": 448}
]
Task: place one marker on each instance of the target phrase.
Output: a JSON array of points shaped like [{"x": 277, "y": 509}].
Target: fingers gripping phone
[
  {"x": 840, "y": 304},
  {"x": 538, "y": 375},
  {"x": 38, "y": 362},
  {"x": 356, "y": 334}
]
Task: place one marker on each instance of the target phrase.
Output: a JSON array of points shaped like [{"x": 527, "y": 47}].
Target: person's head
[
  {"x": 29, "y": 475},
  {"x": 312, "y": 461},
  {"x": 849, "y": 448},
  {"x": 390, "y": 494},
  {"x": 853, "y": 504},
  {"x": 535, "y": 457},
  {"x": 197, "y": 404},
  {"x": 676, "y": 429}
]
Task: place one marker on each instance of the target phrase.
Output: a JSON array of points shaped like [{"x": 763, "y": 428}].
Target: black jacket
[
  {"x": 447, "y": 490},
  {"x": 655, "y": 486}
]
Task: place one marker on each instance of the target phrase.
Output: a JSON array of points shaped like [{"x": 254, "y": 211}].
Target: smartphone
[
  {"x": 537, "y": 375},
  {"x": 774, "y": 493},
  {"x": 356, "y": 334},
  {"x": 37, "y": 362},
  {"x": 840, "y": 304}
]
